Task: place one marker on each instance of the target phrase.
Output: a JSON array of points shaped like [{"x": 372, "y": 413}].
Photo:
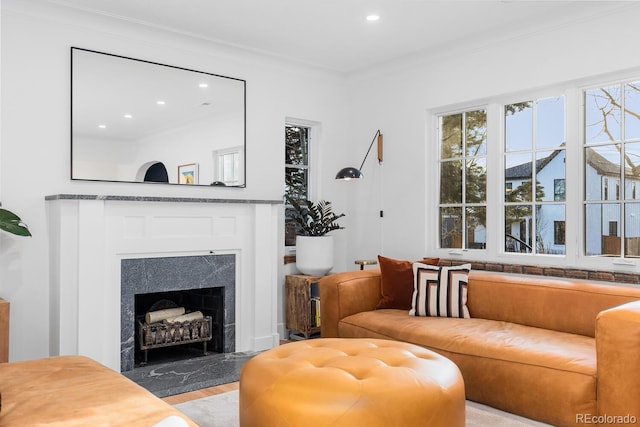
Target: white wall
[
  {"x": 398, "y": 97},
  {"x": 121, "y": 160},
  {"x": 34, "y": 140},
  {"x": 104, "y": 159}
]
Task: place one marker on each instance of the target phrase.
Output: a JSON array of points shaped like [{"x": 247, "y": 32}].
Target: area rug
[{"x": 221, "y": 410}]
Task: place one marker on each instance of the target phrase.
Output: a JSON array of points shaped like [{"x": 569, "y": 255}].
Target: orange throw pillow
[{"x": 397, "y": 282}]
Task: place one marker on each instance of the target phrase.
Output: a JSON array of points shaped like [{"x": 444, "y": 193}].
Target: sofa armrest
[
  {"x": 618, "y": 354},
  {"x": 344, "y": 294}
]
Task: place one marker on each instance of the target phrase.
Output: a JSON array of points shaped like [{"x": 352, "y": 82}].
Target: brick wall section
[{"x": 570, "y": 273}]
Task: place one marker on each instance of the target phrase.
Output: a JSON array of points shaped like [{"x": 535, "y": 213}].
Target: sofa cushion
[
  {"x": 478, "y": 337},
  {"x": 440, "y": 291},
  {"x": 397, "y": 282}
]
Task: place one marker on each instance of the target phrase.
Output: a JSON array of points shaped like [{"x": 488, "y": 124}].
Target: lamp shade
[
  {"x": 352, "y": 173},
  {"x": 349, "y": 173}
]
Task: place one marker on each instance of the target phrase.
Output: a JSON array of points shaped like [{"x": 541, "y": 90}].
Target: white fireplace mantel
[{"x": 90, "y": 235}]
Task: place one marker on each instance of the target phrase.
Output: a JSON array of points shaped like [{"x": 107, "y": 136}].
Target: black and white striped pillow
[{"x": 440, "y": 291}]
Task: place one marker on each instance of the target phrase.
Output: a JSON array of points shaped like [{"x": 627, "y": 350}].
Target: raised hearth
[{"x": 185, "y": 375}]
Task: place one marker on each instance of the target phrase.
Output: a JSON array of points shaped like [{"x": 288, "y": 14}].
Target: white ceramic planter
[{"x": 314, "y": 254}]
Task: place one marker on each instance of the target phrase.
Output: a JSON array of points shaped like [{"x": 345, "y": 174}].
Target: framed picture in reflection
[{"x": 188, "y": 174}]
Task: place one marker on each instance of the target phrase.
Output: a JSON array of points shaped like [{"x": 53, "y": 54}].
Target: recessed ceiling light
[
  {"x": 102, "y": 126},
  {"x": 373, "y": 18},
  {"x": 203, "y": 85},
  {"x": 160, "y": 102},
  {"x": 128, "y": 116}
]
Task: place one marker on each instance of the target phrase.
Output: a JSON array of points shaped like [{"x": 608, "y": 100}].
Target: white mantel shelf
[
  {"x": 158, "y": 199},
  {"x": 90, "y": 235}
]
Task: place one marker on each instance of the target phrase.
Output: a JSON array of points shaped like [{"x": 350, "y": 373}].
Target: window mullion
[
  {"x": 534, "y": 181},
  {"x": 495, "y": 180},
  {"x": 463, "y": 205},
  {"x": 574, "y": 164},
  {"x": 622, "y": 185}
]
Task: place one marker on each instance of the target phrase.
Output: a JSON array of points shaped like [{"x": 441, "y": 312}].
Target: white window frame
[
  {"x": 534, "y": 150},
  {"x": 464, "y": 204},
  {"x": 616, "y": 194},
  {"x": 574, "y": 181},
  {"x": 218, "y": 169},
  {"x": 314, "y": 137}
]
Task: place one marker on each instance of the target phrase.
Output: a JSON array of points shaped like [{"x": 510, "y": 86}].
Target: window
[
  {"x": 296, "y": 176},
  {"x": 534, "y": 175},
  {"x": 612, "y": 169},
  {"x": 516, "y": 177},
  {"x": 558, "y": 233},
  {"x": 463, "y": 180},
  {"x": 558, "y": 189},
  {"x": 228, "y": 165}
]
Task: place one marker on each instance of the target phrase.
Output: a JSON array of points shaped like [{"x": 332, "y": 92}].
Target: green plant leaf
[
  {"x": 12, "y": 223},
  {"x": 314, "y": 219}
]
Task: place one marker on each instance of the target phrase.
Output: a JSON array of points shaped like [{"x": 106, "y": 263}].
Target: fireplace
[
  {"x": 101, "y": 246},
  {"x": 175, "y": 325},
  {"x": 195, "y": 283}
]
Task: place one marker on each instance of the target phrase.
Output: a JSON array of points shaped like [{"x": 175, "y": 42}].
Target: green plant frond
[
  {"x": 313, "y": 219},
  {"x": 12, "y": 223}
]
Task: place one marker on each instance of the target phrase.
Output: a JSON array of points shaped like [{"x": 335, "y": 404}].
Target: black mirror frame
[{"x": 216, "y": 183}]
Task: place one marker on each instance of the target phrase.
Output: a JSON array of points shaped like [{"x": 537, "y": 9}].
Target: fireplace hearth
[{"x": 204, "y": 284}]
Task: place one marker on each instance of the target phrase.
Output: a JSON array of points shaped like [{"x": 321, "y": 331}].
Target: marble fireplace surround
[
  {"x": 90, "y": 236},
  {"x": 151, "y": 275}
]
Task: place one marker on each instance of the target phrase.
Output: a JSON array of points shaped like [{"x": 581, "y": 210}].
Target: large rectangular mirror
[{"x": 140, "y": 121}]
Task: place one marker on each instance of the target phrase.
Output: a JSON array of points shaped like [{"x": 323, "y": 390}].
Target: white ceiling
[
  {"x": 106, "y": 87},
  {"x": 335, "y": 35}
]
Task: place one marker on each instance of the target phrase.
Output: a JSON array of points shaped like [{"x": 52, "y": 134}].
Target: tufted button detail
[{"x": 350, "y": 382}]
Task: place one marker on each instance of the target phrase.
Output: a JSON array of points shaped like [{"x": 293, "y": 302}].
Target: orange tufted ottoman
[{"x": 351, "y": 382}]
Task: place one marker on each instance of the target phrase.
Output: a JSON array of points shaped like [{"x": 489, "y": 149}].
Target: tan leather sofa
[
  {"x": 70, "y": 391},
  {"x": 565, "y": 352}
]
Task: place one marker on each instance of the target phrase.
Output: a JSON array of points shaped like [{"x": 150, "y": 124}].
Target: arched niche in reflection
[
  {"x": 125, "y": 111},
  {"x": 154, "y": 172}
]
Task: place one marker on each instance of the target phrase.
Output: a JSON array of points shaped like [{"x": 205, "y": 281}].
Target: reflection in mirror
[{"x": 139, "y": 121}]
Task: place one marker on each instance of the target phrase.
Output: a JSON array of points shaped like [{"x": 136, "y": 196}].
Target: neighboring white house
[
  {"x": 602, "y": 178},
  {"x": 549, "y": 217},
  {"x": 603, "y": 183}
]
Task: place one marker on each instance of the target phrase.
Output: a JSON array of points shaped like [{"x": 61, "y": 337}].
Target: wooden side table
[
  {"x": 4, "y": 331},
  {"x": 302, "y": 305}
]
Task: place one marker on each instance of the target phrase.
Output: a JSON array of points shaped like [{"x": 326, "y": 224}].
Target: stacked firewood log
[{"x": 173, "y": 326}]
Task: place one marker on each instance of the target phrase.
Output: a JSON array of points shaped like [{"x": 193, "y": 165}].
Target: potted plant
[
  {"x": 12, "y": 223},
  {"x": 314, "y": 248}
]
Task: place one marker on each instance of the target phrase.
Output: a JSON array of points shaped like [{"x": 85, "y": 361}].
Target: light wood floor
[{"x": 193, "y": 395}]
